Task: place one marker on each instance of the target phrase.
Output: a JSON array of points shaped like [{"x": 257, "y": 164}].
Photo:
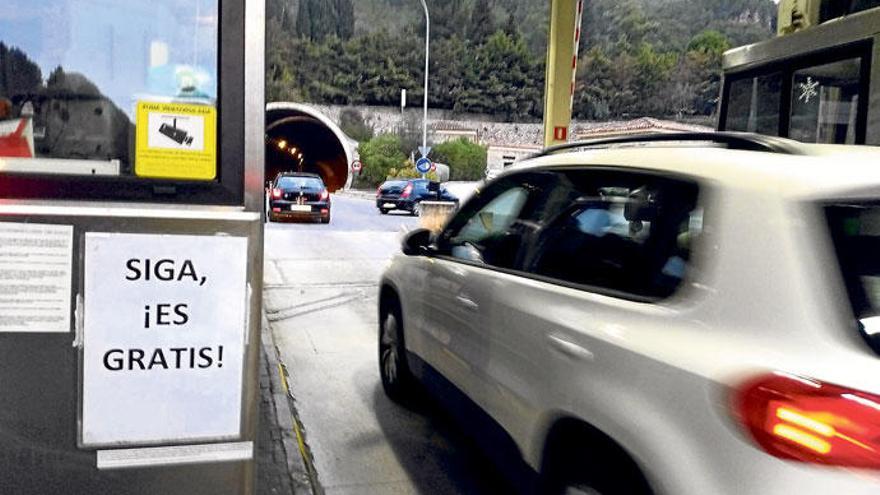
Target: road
[{"x": 321, "y": 296}]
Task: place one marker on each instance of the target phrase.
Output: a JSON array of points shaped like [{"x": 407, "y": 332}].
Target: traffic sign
[
  {"x": 423, "y": 165},
  {"x": 424, "y": 150},
  {"x": 356, "y": 166}
]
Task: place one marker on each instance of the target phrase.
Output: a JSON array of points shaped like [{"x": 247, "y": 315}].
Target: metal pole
[
  {"x": 564, "y": 37},
  {"x": 427, "y": 54}
]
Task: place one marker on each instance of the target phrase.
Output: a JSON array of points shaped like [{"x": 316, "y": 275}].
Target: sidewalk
[{"x": 282, "y": 465}]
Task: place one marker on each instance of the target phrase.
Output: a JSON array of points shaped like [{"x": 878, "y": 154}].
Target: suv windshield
[
  {"x": 855, "y": 229},
  {"x": 300, "y": 183}
]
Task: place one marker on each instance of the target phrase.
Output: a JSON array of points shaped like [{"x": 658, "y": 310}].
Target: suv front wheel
[{"x": 397, "y": 380}]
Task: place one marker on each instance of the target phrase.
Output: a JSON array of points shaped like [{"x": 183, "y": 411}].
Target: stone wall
[{"x": 487, "y": 130}]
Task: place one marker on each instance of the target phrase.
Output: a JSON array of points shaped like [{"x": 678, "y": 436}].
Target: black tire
[
  {"x": 397, "y": 379},
  {"x": 325, "y": 220},
  {"x": 383, "y": 211},
  {"x": 581, "y": 464}
]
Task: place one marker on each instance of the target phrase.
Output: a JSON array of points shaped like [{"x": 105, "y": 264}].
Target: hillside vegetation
[{"x": 656, "y": 58}]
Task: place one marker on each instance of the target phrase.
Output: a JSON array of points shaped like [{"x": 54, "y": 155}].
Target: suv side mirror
[{"x": 416, "y": 242}]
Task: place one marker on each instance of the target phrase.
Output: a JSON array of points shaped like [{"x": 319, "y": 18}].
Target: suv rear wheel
[
  {"x": 582, "y": 460},
  {"x": 397, "y": 380}
]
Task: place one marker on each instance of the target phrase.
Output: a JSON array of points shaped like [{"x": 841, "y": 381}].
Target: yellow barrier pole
[{"x": 562, "y": 50}]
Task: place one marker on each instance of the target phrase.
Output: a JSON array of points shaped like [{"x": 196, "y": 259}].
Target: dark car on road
[
  {"x": 407, "y": 194},
  {"x": 295, "y": 195}
]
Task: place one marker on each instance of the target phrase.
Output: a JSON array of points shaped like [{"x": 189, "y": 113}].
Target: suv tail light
[
  {"x": 809, "y": 421},
  {"x": 325, "y": 195},
  {"x": 276, "y": 193},
  {"x": 407, "y": 191},
  {"x": 379, "y": 192}
]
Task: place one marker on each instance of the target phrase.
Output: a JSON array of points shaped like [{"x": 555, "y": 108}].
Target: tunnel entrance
[{"x": 301, "y": 139}]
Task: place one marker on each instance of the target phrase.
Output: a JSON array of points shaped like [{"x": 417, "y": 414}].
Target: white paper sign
[
  {"x": 163, "y": 343},
  {"x": 35, "y": 277}
]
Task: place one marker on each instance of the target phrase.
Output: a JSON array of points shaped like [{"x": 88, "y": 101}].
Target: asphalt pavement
[{"x": 320, "y": 299}]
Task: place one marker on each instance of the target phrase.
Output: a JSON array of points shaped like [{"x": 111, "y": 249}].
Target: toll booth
[
  {"x": 131, "y": 172},
  {"x": 819, "y": 84}
]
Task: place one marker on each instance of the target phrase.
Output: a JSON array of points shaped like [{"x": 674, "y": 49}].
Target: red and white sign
[
  {"x": 560, "y": 133},
  {"x": 17, "y": 138}
]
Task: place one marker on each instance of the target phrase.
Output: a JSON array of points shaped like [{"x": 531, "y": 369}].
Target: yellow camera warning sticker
[{"x": 176, "y": 141}]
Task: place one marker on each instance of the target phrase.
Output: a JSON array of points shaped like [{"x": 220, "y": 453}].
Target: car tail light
[
  {"x": 407, "y": 191},
  {"x": 276, "y": 193},
  {"x": 379, "y": 192},
  {"x": 325, "y": 195},
  {"x": 810, "y": 421},
  {"x": 276, "y": 210}
]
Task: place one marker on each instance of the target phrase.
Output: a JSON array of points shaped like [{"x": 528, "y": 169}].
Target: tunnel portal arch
[{"x": 301, "y": 138}]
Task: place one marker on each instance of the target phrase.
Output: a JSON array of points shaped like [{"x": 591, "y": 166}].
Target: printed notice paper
[
  {"x": 163, "y": 338},
  {"x": 35, "y": 277}
]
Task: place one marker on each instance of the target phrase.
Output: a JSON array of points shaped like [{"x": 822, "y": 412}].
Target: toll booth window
[
  {"x": 825, "y": 102},
  {"x": 117, "y": 88},
  {"x": 754, "y": 104}
]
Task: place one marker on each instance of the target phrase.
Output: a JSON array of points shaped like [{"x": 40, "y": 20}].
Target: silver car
[{"x": 679, "y": 314}]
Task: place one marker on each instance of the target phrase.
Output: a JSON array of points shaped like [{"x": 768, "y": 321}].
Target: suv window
[
  {"x": 855, "y": 229},
  {"x": 627, "y": 233},
  {"x": 491, "y": 230}
]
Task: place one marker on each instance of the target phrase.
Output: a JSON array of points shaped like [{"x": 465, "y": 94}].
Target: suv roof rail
[{"x": 733, "y": 140}]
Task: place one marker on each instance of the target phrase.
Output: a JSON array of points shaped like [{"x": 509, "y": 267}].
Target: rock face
[{"x": 444, "y": 125}]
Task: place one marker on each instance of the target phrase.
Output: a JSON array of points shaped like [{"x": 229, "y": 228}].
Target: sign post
[{"x": 423, "y": 165}]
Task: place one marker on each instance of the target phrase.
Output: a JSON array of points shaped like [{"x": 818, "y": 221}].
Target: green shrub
[
  {"x": 409, "y": 171},
  {"x": 466, "y": 159},
  {"x": 379, "y": 155}
]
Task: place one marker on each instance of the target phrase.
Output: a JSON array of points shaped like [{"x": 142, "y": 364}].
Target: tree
[
  {"x": 18, "y": 73},
  {"x": 482, "y": 23},
  {"x": 380, "y": 155},
  {"x": 466, "y": 159},
  {"x": 449, "y": 18},
  {"x": 317, "y": 20},
  {"x": 500, "y": 79},
  {"x": 595, "y": 86},
  {"x": 448, "y": 63}
]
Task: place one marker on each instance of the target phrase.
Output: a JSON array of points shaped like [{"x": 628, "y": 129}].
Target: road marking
[
  {"x": 312, "y": 307},
  {"x": 300, "y": 441}
]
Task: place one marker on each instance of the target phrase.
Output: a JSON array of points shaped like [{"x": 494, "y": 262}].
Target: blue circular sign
[{"x": 423, "y": 165}]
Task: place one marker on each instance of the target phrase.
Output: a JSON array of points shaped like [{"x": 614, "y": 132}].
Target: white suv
[{"x": 677, "y": 314}]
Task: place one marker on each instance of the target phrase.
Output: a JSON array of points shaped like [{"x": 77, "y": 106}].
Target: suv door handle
[
  {"x": 569, "y": 349},
  {"x": 467, "y": 302}
]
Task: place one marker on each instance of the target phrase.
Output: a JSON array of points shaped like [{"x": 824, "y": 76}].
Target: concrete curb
[
  {"x": 353, "y": 193},
  {"x": 300, "y": 465}
]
